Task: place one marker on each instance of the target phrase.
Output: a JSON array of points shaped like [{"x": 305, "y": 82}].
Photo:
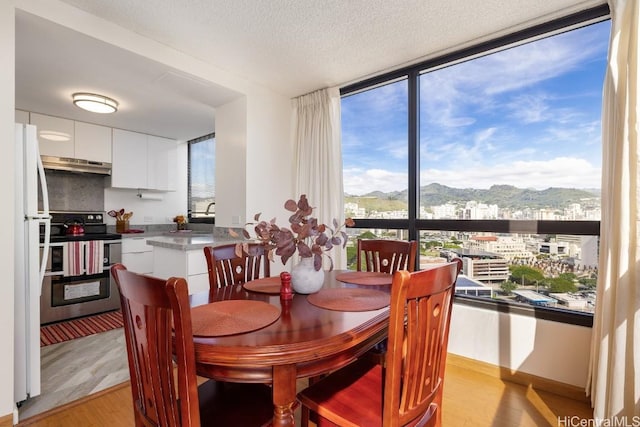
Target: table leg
[{"x": 284, "y": 395}]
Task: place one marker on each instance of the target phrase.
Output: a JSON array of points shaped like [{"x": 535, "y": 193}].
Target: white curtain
[
  {"x": 318, "y": 158},
  {"x": 614, "y": 380}
]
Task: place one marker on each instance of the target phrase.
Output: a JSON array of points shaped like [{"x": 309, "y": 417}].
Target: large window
[
  {"x": 375, "y": 144},
  {"x": 493, "y": 155},
  {"x": 202, "y": 188}
]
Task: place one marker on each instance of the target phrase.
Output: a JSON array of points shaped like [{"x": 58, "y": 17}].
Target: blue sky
[
  {"x": 202, "y": 174},
  {"x": 528, "y": 116}
]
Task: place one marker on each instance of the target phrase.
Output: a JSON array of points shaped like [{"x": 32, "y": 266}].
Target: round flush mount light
[{"x": 95, "y": 103}]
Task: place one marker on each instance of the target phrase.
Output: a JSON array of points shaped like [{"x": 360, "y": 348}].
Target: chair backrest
[
  {"x": 227, "y": 268},
  {"x": 150, "y": 308},
  {"x": 386, "y": 256},
  {"x": 420, "y": 313}
]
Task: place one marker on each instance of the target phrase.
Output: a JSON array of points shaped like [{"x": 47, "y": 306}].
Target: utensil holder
[{"x": 122, "y": 226}]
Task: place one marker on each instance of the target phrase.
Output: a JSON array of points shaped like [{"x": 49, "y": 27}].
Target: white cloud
[
  {"x": 447, "y": 93},
  {"x": 359, "y": 181},
  {"x": 565, "y": 172},
  {"x": 484, "y": 135},
  {"x": 530, "y": 108}
]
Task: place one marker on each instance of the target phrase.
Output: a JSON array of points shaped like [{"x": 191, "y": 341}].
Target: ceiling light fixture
[{"x": 95, "y": 103}]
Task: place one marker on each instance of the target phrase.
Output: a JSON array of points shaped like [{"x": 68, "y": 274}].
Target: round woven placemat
[
  {"x": 266, "y": 285},
  {"x": 365, "y": 278},
  {"x": 350, "y": 299},
  {"x": 232, "y": 317}
]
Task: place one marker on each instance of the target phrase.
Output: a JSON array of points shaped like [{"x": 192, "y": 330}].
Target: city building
[
  {"x": 533, "y": 298},
  {"x": 467, "y": 286},
  {"x": 483, "y": 266},
  {"x": 554, "y": 248},
  {"x": 573, "y": 301},
  {"x": 509, "y": 247}
]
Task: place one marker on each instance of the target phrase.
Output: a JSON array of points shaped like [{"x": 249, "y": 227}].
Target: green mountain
[{"x": 505, "y": 196}]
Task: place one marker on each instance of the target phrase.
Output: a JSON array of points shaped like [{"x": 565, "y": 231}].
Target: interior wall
[
  {"x": 231, "y": 171},
  {"x": 7, "y": 194},
  {"x": 270, "y": 156},
  {"x": 553, "y": 350}
]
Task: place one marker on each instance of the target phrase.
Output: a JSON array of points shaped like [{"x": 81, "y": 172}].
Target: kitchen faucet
[{"x": 209, "y": 207}]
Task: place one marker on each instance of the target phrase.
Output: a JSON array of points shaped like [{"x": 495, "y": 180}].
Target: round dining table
[{"x": 313, "y": 335}]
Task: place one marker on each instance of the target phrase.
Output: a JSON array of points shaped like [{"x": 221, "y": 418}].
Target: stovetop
[
  {"x": 92, "y": 222},
  {"x": 82, "y": 237}
]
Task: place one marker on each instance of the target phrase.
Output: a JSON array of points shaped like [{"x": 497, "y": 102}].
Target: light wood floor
[
  {"x": 471, "y": 398},
  {"x": 75, "y": 369}
]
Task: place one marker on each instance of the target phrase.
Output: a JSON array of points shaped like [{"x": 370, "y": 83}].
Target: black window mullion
[{"x": 413, "y": 153}]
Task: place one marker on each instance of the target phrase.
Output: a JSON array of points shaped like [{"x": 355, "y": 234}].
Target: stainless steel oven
[{"x": 76, "y": 282}]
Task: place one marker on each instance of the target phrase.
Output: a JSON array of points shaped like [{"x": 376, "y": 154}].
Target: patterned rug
[{"x": 78, "y": 328}]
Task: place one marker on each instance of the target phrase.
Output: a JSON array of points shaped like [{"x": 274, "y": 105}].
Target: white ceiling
[{"x": 291, "y": 46}]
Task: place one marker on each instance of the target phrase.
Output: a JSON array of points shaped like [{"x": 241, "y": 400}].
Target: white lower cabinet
[
  {"x": 188, "y": 264},
  {"x": 137, "y": 256}
]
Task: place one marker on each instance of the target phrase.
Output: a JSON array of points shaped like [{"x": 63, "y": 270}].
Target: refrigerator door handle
[
  {"x": 45, "y": 251},
  {"x": 45, "y": 217},
  {"x": 43, "y": 186}
]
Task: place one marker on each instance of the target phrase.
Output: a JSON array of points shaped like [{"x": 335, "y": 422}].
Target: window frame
[{"x": 414, "y": 224}]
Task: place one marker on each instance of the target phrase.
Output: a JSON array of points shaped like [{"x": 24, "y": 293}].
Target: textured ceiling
[{"x": 297, "y": 46}]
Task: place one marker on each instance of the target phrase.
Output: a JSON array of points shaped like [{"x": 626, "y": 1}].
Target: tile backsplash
[{"x": 70, "y": 191}]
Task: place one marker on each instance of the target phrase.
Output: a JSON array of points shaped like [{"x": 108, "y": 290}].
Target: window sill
[
  {"x": 211, "y": 220},
  {"x": 544, "y": 313}
]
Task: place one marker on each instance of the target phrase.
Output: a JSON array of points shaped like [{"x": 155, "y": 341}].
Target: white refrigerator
[{"x": 29, "y": 263}]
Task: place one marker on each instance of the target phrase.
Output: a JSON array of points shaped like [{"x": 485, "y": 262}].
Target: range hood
[{"x": 76, "y": 165}]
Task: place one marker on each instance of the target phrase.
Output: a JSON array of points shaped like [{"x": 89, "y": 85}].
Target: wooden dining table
[{"x": 305, "y": 341}]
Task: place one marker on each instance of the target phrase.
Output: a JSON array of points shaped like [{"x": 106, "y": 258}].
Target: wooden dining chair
[
  {"x": 157, "y": 327},
  {"x": 409, "y": 391},
  {"x": 386, "y": 256},
  {"x": 226, "y": 268}
]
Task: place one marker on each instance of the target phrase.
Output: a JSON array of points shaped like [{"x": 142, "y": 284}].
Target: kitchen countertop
[
  {"x": 187, "y": 241},
  {"x": 143, "y": 234}
]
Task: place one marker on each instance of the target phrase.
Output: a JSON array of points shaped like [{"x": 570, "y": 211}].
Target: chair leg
[{"x": 304, "y": 417}]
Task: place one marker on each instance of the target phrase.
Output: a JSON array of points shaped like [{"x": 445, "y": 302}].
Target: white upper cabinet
[
  {"x": 22, "y": 117},
  {"x": 142, "y": 161},
  {"x": 77, "y": 140},
  {"x": 160, "y": 172},
  {"x": 129, "y": 169},
  {"x": 93, "y": 142},
  {"x": 55, "y": 135}
]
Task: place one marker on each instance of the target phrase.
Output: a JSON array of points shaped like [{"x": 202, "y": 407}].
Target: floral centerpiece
[
  {"x": 307, "y": 236},
  {"x": 181, "y": 222}
]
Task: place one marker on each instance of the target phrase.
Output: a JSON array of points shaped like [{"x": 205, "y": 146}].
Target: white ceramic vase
[{"x": 304, "y": 277}]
